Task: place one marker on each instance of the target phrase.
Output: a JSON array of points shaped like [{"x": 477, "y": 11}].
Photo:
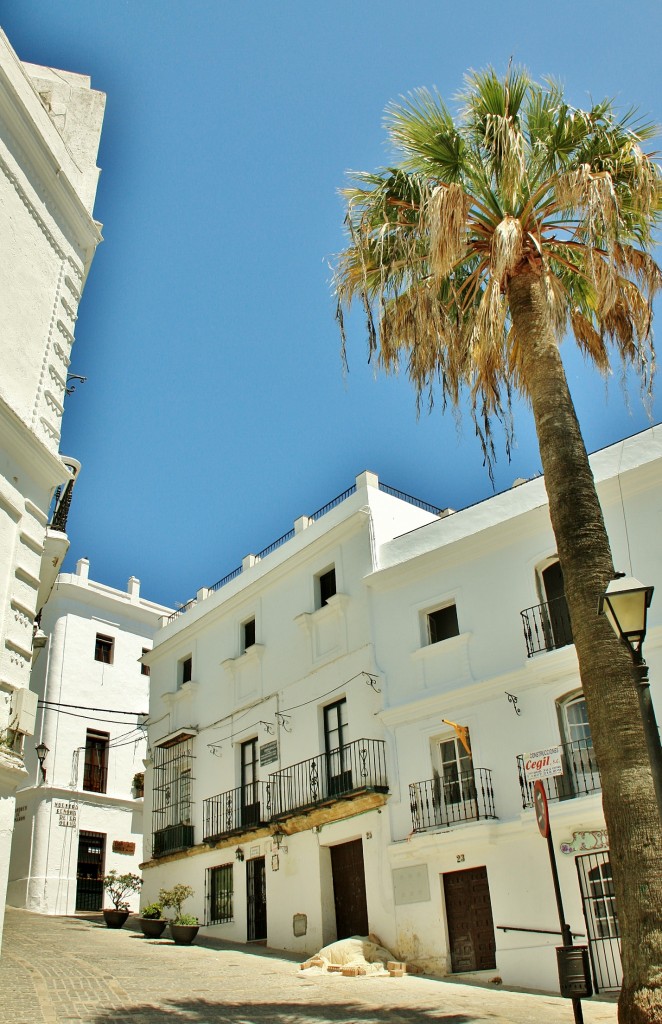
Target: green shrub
[
  {"x": 152, "y": 911},
  {"x": 174, "y": 898}
]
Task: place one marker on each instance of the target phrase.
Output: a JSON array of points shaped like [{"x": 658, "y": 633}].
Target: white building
[
  {"x": 79, "y": 812},
  {"x": 251, "y": 688},
  {"x": 50, "y": 123},
  {"x": 308, "y": 777}
]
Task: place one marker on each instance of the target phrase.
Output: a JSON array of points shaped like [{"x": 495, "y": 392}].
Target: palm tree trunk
[{"x": 605, "y": 666}]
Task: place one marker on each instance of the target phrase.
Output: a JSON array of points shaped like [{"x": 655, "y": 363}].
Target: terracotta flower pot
[
  {"x": 115, "y": 918},
  {"x": 183, "y": 934},
  {"x": 152, "y": 927}
]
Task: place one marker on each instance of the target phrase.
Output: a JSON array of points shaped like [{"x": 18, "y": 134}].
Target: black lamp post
[
  {"x": 625, "y": 603},
  {"x": 42, "y": 751}
]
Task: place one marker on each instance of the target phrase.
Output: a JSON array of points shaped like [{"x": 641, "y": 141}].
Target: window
[
  {"x": 103, "y": 649},
  {"x": 602, "y": 901},
  {"x": 454, "y": 779},
  {"x": 144, "y": 669},
  {"x": 185, "y": 671},
  {"x": 248, "y": 634},
  {"x": 221, "y": 892},
  {"x": 580, "y": 768},
  {"x": 442, "y": 624},
  {"x": 338, "y": 759},
  {"x": 95, "y": 771},
  {"x": 250, "y": 797},
  {"x": 556, "y": 617},
  {"x": 326, "y": 586}
]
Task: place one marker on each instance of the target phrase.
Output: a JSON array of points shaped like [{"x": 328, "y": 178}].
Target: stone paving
[{"x": 61, "y": 969}]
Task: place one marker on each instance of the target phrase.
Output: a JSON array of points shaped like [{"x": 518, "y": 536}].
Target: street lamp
[
  {"x": 42, "y": 751},
  {"x": 625, "y": 604}
]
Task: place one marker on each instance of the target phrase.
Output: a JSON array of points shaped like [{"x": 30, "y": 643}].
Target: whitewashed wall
[
  {"x": 45, "y": 850},
  {"x": 50, "y": 125}
]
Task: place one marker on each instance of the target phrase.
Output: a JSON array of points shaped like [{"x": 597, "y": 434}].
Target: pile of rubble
[{"x": 355, "y": 956}]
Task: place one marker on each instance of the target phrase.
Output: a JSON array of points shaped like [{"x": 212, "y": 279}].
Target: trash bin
[{"x": 574, "y": 972}]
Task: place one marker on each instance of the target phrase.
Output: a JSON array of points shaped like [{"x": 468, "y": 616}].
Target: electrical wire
[{"x": 82, "y": 707}]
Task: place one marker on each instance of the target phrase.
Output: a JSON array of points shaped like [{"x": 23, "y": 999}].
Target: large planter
[
  {"x": 183, "y": 934},
  {"x": 115, "y": 918},
  {"x": 152, "y": 927}
]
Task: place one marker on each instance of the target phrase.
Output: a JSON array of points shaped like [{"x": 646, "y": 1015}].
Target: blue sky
[{"x": 216, "y": 410}]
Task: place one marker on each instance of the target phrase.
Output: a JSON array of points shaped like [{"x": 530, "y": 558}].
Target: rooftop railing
[
  {"x": 314, "y": 517},
  {"x": 441, "y": 803}
]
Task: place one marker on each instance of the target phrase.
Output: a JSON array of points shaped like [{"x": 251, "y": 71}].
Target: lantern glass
[{"x": 625, "y": 604}]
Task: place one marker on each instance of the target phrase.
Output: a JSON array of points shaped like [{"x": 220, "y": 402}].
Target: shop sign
[
  {"x": 119, "y": 846},
  {"x": 542, "y": 764}
]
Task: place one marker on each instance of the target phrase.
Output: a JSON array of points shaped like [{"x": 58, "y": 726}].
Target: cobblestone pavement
[{"x": 61, "y": 969}]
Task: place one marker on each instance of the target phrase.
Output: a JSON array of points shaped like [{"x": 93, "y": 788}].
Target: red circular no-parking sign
[{"x": 541, "y": 808}]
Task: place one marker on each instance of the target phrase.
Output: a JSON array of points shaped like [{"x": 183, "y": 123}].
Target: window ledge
[
  {"x": 185, "y": 690},
  {"x": 442, "y": 647},
  {"x": 333, "y": 608},
  {"x": 252, "y": 654}
]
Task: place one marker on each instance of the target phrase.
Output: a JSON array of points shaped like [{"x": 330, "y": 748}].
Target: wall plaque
[
  {"x": 119, "y": 846},
  {"x": 269, "y": 752},
  {"x": 66, "y": 814}
]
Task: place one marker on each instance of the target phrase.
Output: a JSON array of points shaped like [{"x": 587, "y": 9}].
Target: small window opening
[
  {"x": 103, "y": 649},
  {"x": 327, "y": 586},
  {"x": 248, "y": 630},
  {"x": 443, "y": 624}
]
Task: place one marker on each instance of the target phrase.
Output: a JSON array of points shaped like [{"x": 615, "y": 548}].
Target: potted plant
[
  {"x": 151, "y": 921},
  {"x": 183, "y": 927},
  {"x": 138, "y": 785},
  {"x": 118, "y": 888}
]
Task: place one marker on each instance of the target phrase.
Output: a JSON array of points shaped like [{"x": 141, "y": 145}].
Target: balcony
[
  {"x": 354, "y": 768},
  {"x": 442, "y": 804},
  {"x": 580, "y": 774},
  {"x": 237, "y": 810},
  {"x": 172, "y": 839},
  {"x": 547, "y": 626}
]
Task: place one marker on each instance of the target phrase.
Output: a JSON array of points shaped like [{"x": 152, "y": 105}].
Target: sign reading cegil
[{"x": 542, "y": 764}]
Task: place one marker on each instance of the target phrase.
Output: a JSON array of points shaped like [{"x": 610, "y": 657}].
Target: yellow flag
[{"x": 462, "y": 732}]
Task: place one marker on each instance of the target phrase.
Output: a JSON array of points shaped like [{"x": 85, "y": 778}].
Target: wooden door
[
  {"x": 349, "y": 889},
  {"x": 256, "y": 899},
  {"x": 469, "y": 917}
]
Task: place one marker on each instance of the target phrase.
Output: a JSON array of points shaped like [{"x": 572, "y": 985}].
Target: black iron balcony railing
[
  {"x": 356, "y": 766},
  {"x": 95, "y": 777},
  {"x": 440, "y": 803},
  {"x": 236, "y": 810},
  {"x": 580, "y": 774},
  {"x": 547, "y": 626},
  {"x": 171, "y": 839}
]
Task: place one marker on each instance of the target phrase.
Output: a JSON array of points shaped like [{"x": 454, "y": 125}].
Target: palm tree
[{"x": 497, "y": 232}]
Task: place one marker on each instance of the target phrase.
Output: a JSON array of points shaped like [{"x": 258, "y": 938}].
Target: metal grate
[
  {"x": 599, "y": 905},
  {"x": 348, "y": 769},
  {"x": 547, "y": 626},
  {"x": 439, "y": 804},
  {"x": 236, "y": 810},
  {"x": 171, "y": 816}
]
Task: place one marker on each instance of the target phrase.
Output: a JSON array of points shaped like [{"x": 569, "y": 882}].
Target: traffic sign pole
[{"x": 542, "y": 818}]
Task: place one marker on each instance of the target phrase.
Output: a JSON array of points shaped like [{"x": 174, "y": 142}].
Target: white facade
[
  {"x": 50, "y": 124},
  {"x": 425, "y": 627},
  {"x": 79, "y": 815},
  {"x": 221, "y": 703}
]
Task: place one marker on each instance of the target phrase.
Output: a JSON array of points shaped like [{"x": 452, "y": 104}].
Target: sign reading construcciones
[{"x": 542, "y": 764}]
